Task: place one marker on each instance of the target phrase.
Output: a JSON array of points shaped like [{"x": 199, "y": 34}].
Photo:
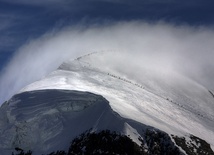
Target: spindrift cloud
[{"x": 188, "y": 50}]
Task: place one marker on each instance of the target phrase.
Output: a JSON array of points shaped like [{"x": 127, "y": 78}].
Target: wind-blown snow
[
  {"x": 166, "y": 100},
  {"x": 55, "y": 117}
]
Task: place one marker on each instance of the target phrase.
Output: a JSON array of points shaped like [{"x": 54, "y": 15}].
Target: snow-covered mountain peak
[
  {"x": 172, "y": 99},
  {"x": 149, "y": 95}
]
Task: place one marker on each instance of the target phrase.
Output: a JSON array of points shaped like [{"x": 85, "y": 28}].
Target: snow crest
[
  {"x": 46, "y": 114},
  {"x": 168, "y": 101}
]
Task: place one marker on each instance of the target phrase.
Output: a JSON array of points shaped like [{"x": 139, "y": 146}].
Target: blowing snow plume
[{"x": 159, "y": 46}]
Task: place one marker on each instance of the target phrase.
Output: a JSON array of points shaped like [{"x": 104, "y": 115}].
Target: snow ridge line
[
  {"x": 187, "y": 108},
  {"x": 95, "y": 52},
  {"x": 165, "y": 98}
]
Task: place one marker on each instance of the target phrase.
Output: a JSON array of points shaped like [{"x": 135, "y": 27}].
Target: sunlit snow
[{"x": 164, "y": 99}]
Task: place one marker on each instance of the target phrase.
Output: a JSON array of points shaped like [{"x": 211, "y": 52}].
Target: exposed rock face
[
  {"x": 193, "y": 145},
  {"x": 107, "y": 142}
]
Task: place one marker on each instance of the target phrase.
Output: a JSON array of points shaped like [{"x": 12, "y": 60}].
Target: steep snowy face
[
  {"x": 48, "y": 120},
  {"x": 159, "y": 98}
]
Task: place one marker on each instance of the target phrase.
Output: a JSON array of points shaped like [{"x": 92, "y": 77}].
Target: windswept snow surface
[
  {"x": 48, "y": 120},
  {"x": 163, "y": 99}
]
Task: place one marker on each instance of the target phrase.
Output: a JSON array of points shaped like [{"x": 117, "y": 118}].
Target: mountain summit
[{"x": 95, "y": 95}]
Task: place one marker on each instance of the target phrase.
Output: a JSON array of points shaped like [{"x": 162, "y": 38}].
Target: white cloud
[{"x": 182, "y": 48}]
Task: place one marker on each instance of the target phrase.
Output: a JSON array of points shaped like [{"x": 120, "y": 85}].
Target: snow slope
[
  {"x": 165, "y": 100},
  {"x": 47, "y": 120}
]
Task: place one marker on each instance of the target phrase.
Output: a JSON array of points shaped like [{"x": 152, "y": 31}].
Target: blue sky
[
  {"x": 25, "y": 20},
  {"x": 22, "y": 20}
]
